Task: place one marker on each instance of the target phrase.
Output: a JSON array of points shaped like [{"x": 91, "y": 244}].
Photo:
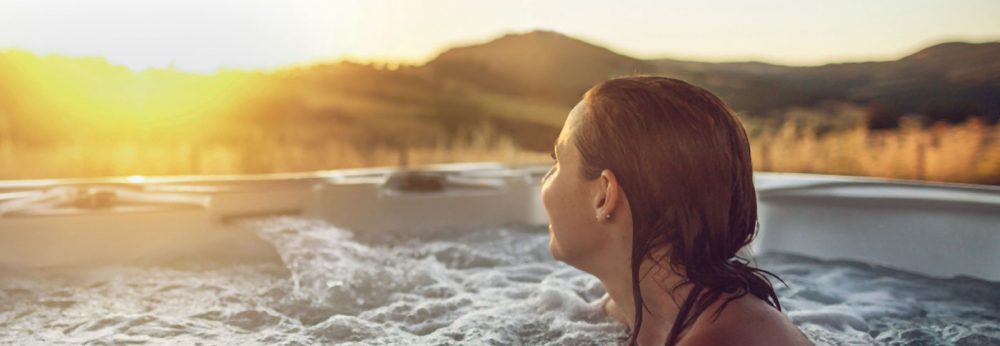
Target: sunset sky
[{"x": 205, "y": 35}]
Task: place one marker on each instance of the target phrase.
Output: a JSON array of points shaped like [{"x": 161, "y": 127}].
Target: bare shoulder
[{"x": 747, "y": 320}]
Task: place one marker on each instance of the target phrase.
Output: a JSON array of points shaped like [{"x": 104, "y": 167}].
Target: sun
[{"x": 104, "y": 96}]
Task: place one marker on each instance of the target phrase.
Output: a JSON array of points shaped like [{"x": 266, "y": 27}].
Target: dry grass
[
  {"x": 828, "y": 140},
  {"x": 968, "y": 152},
  {"x": 87, "y": 118},
  {"x": 90, "y": 158}
]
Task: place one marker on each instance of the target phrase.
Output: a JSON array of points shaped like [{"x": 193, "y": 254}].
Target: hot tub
[{"x": 456, "y": 254}]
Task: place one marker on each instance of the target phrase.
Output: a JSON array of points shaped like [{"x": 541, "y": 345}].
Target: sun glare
[{"x": 114, "y": 98}]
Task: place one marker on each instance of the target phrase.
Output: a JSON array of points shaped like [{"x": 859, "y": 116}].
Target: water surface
[{"x": 488, "y": 286}]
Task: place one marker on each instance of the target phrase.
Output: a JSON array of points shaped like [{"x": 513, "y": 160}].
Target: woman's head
[
  {"x": 680, "y": 161},
  {"x": 581, "y": 208}
]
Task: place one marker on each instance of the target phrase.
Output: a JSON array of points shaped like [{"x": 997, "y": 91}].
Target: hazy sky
[{"x": 203, "y": 35}]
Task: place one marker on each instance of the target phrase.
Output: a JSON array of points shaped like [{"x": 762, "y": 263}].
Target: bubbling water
[
  {"x": 487, "y": 286},
  {"x": 854, "y": 303},
  {"x": 493, "y": 286}
]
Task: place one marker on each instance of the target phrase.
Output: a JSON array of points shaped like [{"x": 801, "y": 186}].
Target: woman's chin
[
  {"x": 554, "y": 249},
  {"x": 561, "y": 255},
  {"x": 557, "y": 252},
  {"x": 575, "y": 259}
]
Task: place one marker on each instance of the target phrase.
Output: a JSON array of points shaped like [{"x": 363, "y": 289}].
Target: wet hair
[{"x": 682, "y": 158}]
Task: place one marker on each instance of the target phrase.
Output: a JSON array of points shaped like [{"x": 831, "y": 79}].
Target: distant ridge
[
  {"x": 536, "y": 63},
  {"x": 975, "y": 52},
  {"x": 946, "y": 81},
  {"x": 520, "y": 85}
]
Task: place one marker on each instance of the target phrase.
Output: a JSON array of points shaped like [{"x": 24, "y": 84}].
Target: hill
[
  {"x": 519, "y": 85},
  {"x": 948, "y": 81},
  {"x": 539, "y": 64}
]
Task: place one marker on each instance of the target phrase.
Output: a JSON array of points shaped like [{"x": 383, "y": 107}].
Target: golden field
[
  {"x": 73, "y": 117},
  {"x": 968, "y": 152}
]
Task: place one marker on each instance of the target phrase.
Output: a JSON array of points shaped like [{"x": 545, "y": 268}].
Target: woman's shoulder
[{"x": 747, "y": 320}]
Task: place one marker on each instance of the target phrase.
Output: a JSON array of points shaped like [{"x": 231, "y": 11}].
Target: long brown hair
[{"x": 682, "y": 158}]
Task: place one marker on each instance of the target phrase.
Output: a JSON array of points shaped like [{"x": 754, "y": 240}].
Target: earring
[{"x": 608, "y": 216}]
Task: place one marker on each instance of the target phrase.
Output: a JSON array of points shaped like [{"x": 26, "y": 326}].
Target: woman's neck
[{"x": 656, "y": 281}]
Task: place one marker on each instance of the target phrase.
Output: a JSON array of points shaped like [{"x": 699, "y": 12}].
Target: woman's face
[{"x": 575, "y": 237}]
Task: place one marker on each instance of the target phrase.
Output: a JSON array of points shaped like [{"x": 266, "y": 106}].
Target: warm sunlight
[
  {"x": 189, "y": 35},
  {"x": 116, "y": 99},
  {"x": 382, "y": 172},
  {"x": 207, "y": 35}
]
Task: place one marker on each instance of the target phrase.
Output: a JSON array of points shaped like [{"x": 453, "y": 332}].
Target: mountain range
[
  {"x": 519, "y": 85},
  {"x": 946, "y": 81}
]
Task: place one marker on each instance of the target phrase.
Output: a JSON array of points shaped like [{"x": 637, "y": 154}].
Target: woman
[{"x": 652, "y": 192}]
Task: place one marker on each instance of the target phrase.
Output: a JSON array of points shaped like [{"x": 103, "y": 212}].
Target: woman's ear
[{"x": 606, "y": 197}]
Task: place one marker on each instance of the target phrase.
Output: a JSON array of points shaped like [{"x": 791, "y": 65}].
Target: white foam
[{"x": 496, "y": 286}]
